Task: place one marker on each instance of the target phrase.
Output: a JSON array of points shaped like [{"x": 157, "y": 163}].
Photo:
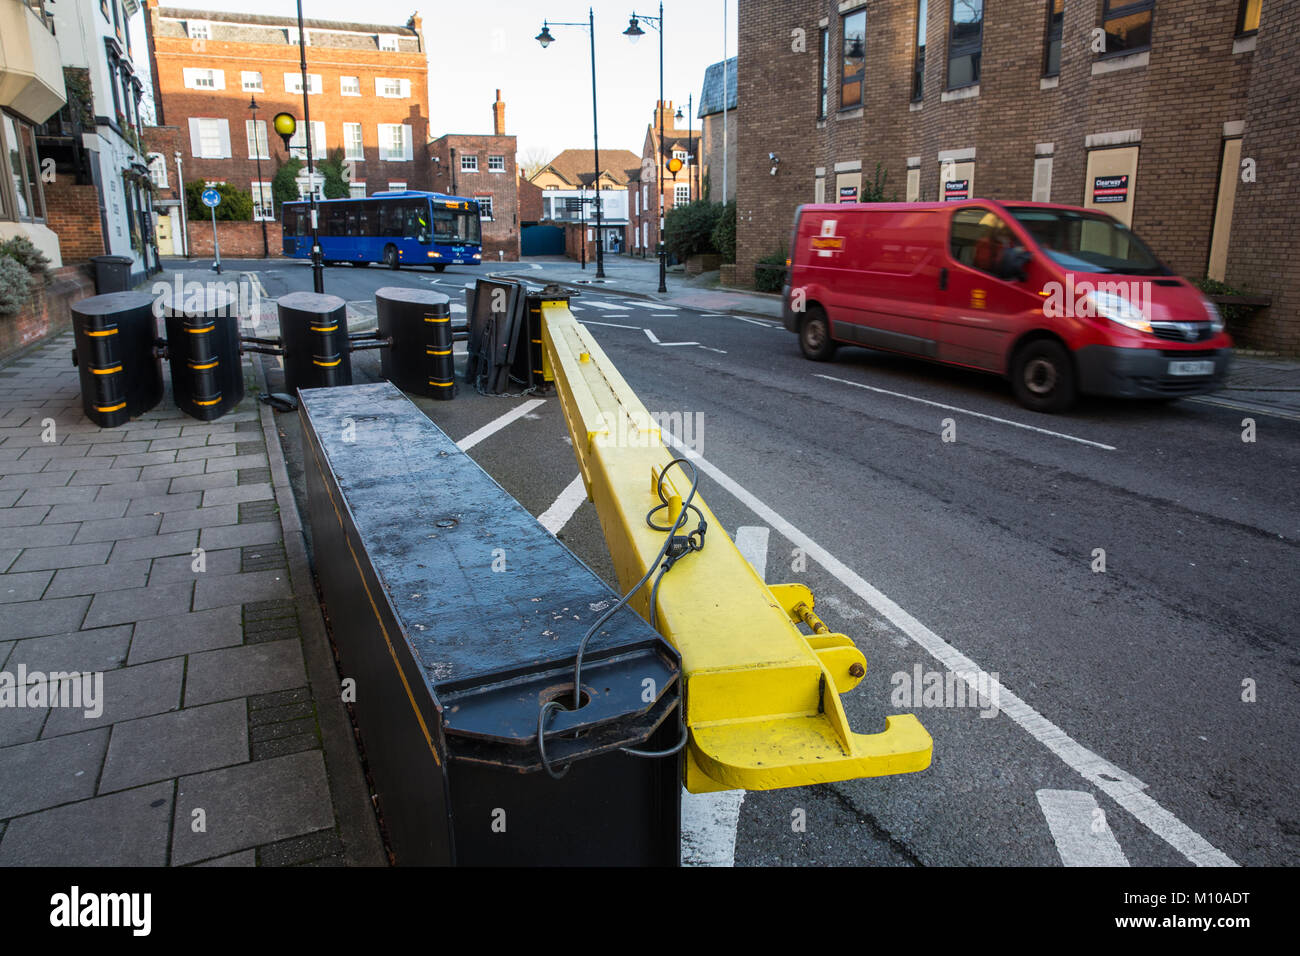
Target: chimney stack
[{"x": 499, "y": 116}]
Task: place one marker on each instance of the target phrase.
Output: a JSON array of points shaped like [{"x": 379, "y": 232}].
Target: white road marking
[
  {"x": 766, "y": 325},
  {"x": 554, "y": 518},
  {"x": 1079, "y": 828},
  {"x": 669, "y": 345},
  {"x": 705, "y": 347},
  {"x": 1123, "y": 788},
  {"x": 457, "y": 307},
  {"x": 610, "y": 325},
  {"x": 644, "y": 304},
  {"x": 966, "y": 411},
  {"x": 470, "y": 285},
  {"x": 606, "y": 305},
  {"x": 710, "y": 820},
  {"x": 494, "y": 426},
  {"x": 651, "y": 336}
]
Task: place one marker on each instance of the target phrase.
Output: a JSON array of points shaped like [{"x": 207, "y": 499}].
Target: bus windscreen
[{"x": 456, "y": 225}]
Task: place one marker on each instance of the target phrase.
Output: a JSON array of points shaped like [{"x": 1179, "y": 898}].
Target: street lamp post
[
  {"x": 546, "y": 39},
  {"x": 690, "y": 147},
  {"x": 257, "y": 149},
  {"x": 634, "y": 33},
  {"x": 317, "y": 268}
]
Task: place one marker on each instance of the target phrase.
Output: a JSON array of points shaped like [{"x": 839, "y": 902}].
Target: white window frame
[
  {"x": 392, "y": 88},
  {"x": 396, "y": 187},
  {"x": 155, "y": 168},
  {"x": 469, "y": 162},
  {"x": 262, "y": 200},
  {"x": 357, "y": 189},
  {"x": 198, "y": 29},
  {"x": 681, "y": 194},
  {"x": 359, "y": 153},
  {"x": 481, "y": 200},
  {"x": 387, "y": 41},
  {"x": 261, "y": 143},
  {"x": 251, "y": 87},
  {"x": 298, "y": 145},
  {"x": 193, "y": 77},
  {"x": 343, "y": 86},
  {"x": 496, "y": 164},
  {"x": 385, "y": 131},
  {"x": 211, "y": 126},
  {"x": 293, "y": 83}
]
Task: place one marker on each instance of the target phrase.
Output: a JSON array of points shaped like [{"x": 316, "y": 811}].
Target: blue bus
[{"x": 396, "y": 228}]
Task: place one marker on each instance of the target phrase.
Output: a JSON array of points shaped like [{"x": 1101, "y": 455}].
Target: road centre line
[
  {"x": 1079, "y": 829},
  {"x": 965, "y": 411},
  {"x": 494, "y": 426},
  {"x": 1123, "y": 788},
  {"x": 554, "y": 518}
]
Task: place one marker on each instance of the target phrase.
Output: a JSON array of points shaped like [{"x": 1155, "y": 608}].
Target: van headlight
[
  {"x": 1213, "y": 314},
  {"x": 1113, "y": 306}
]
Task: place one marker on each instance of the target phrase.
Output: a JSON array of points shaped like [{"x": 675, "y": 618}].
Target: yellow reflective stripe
[
  {"x": 441, "y": 384},
  {"x": 199, "y": 331},
  {"x": 105, "y": 332},
  {"x": 213, "y": 364},
  {"x": 106, "y": 371},
  {"x": 326, "y": 364},
  {"x": 110, "y": 408},
  {"x": 212, "y": 402},
  {"x": 437, "y": 351},
  {"x": 320, "y": 328},
  {"x": 430, "y": 319}
]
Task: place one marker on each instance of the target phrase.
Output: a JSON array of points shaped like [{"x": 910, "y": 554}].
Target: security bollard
[
  {"x": 203, "y": 348},
  {"x": 314, "y": 330},
  {"x": 419, "y": 324},
  {"x": 458, "y": 619},
  {"x": 121, "y": 374}
]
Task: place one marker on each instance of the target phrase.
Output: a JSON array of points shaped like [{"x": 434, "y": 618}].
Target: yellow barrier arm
[{"x": 762, "y": 698}]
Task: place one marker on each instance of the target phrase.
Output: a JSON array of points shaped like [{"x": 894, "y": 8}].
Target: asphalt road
[{"x": 1147, "y": 712}]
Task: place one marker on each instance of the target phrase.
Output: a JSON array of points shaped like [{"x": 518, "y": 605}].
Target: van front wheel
[
  {"x": 1042, "y": 377},
  {"x": 815, "y": 336}
]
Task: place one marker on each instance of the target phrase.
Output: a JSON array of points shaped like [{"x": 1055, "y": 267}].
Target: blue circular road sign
[{"x": 211, "y": 197}]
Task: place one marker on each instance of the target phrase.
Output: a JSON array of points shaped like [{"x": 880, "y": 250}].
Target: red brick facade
[
  {"x": 72, "y": 212},
  {"x": 1177, "y": 103},
  {"x": 483, "y": 168},
  {"x": 643, "y": 212},
  {"x": 48, "y": 311},
  {"x": 239, "y": 44}
]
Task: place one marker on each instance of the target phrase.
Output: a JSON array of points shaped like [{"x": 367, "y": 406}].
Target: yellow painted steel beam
[{"x": 762, "y": 698}]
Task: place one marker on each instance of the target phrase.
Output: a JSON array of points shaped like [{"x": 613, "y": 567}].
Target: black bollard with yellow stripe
[
  {"x": 121, "y": 374},
  {"x": 203, "y": 348},
  {"x": 418, "y": 323},
  {"x": 314, "y": 330}
]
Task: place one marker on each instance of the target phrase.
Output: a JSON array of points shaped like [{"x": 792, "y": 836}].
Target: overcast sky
[{"x": 476, "y": 46}]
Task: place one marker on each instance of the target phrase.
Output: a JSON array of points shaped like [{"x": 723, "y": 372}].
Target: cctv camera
[{"x": 772, "y": 157}]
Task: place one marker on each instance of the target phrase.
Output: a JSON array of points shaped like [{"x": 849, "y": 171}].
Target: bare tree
[{"x": 532, "y": 159}]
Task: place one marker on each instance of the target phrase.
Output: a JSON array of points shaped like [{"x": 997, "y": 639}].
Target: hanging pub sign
[
  {"x": 1110, "y": 189},
  {"x": 955, "y": 189},
  {"x": 848, "y": 194}
]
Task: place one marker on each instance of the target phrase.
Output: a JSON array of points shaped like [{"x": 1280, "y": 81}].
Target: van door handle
[{"x": 943, "y": 278}]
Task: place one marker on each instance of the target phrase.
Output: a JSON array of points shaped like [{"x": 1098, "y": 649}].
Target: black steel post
[
  {"x": 317, "y": 268},
  {"x": 659, "y": 173},
  {"x": 595, "y": 138},
  {"x": 257, "y": 149}
]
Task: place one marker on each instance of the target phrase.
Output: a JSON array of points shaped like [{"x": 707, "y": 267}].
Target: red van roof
[{"x": 904, "y": 206}]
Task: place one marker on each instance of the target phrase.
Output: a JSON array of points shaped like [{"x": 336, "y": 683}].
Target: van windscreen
[{"x": 1088, "y": 242}]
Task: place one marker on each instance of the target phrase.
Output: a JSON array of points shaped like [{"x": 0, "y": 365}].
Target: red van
[{"x": 1058, "y": 299}]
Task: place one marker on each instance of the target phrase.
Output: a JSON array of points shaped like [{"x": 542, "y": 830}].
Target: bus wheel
[
  {"x": 815, "y": 336},
  {"x": 390, "y": 257},
  {"x": 1042, "y": 377},
  {"x": 440, "y": 267}
]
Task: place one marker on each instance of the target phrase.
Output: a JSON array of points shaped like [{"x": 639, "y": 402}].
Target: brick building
[
  {"x": 1197, "y": 102},
  {"x": 679, "y": 188},
  {"x": 568, "y": 198},
  {"x": 718, "y": 131},
  {"x": 482, "y": 168},
  {"x": 367, "y": 90}
]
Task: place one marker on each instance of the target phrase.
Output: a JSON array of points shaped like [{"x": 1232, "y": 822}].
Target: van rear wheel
[
  {"x": 1042, "y": 377},
  {"x": 815, "y": 335}
]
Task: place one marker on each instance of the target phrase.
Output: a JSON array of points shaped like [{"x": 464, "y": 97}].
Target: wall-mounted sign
[
  {"x": 848, "y": 194},
  {"x": 955, "y": 189},
  {"x": 1109, "y": 189}
]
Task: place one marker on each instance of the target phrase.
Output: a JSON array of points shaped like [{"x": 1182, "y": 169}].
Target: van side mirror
[{"x": 1012, "y": 264}]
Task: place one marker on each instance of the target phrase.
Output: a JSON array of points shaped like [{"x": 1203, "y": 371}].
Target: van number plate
[{"x": 1191, "y": 368}]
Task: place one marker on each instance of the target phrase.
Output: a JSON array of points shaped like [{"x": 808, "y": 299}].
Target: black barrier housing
[
  {"x": 314, "y": 333},
  {"x": 459, "y": 616},
  {"x": 203, "y": 349},
  {"x": 119, "y": 368},
  {"x": 418, "y": 324},
  {"x": 493, "y": 310}
]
